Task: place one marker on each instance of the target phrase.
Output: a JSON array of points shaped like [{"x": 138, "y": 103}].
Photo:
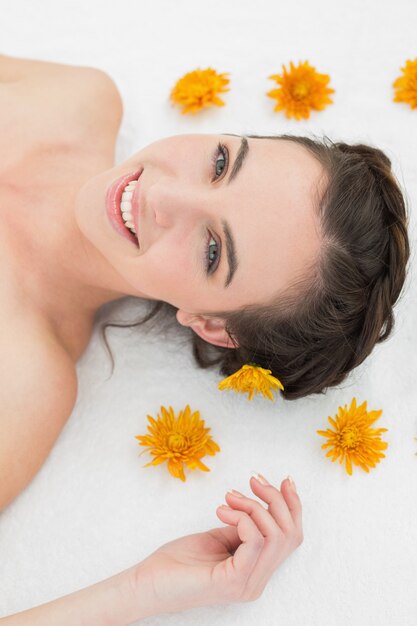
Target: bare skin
[
  {"x": 42, "y": 169},
  {"x": 46, "y": 314}
]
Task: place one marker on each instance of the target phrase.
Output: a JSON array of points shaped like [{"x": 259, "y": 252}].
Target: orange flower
[
  {"x": 406, "y": 86},
  {"x": 178, "y": 441},
  {"x": 302, "y": 89},
  {"x": 353, "y": 439},
  {"x": 199, "y": 89},
  {"x": 252, "y": 378}
]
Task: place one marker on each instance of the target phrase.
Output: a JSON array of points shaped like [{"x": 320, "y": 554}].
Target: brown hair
[{"x": 323, "y": 326}]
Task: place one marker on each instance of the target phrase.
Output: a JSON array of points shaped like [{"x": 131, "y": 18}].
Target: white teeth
[{"x": 126, "y": 205}]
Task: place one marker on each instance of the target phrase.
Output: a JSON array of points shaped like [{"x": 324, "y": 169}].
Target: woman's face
[{"x": 217, "y": 230}]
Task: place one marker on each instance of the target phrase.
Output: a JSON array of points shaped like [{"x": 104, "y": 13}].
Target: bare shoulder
[
  {"x": 54, "y": 101},
  {"x": 16, "y": 70},
  {"x": 37, "y": 395}
]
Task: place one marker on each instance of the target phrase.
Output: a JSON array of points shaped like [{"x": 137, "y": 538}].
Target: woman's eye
[
  {"x": 212, "y": 254},
  {"x": 220, "y": 164},
  {"x": 220, "y": 161}
]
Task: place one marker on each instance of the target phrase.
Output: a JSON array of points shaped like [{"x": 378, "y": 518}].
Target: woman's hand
[
  {"x": 229, "y": 564},
  {"x": 222, "y": 565}
]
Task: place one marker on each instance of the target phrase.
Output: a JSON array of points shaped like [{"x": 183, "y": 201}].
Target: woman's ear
[{"x": 211, "y": 329}]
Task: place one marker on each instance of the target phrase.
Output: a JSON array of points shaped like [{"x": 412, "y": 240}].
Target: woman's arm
[
  {"x": 37, "y": 395},
  {"x": 115, "y": 601},
  {"x": 219, "y": 566}
]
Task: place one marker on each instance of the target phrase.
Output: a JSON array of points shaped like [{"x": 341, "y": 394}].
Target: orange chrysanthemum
[
  {"x": 178, "y": 441},
  {"x": 199, "y": 89},
  {"x": 252, "y": 379},
  {"x": 302, "y": 89},
  {"x": 353, "y": 439},
  {"x": 406, "y": 86}
]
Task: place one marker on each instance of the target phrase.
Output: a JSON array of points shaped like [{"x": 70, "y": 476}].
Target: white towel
[{"x": 93, "y": 509}]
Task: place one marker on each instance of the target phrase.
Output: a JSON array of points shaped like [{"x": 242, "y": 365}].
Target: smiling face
[{"x": 219, "y": 227}]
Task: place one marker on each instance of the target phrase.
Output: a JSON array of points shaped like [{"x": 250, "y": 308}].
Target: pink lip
[{"x": 113, "y": 197}]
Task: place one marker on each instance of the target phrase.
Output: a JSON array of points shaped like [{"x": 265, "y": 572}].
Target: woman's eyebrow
[
  {"x": 240, "y": 157},
  {"x": 232, "y": 259},
  {"x": 231, "y": 253}
]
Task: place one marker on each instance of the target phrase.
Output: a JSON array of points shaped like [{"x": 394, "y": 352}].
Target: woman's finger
[
  {"x": 294, "y": 505},
  {"x": 262, "y": 518},
  {"x": 275, "y": 547},
  {"x": 279, "y": 527},
  {"x": 277, "y": 504},
  {"x": 248, "y": 552}
]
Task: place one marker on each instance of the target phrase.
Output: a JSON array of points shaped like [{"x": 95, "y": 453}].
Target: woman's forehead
[
  {"x": 274, "y": 220},
  {"x": 279, "y": 177}
]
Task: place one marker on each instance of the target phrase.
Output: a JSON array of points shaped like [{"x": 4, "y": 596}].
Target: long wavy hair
[{"x": 326, "y": 323}]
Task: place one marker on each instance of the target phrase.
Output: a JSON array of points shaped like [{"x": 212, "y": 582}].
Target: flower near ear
[
  {"x": 182, "y": 440},
  {"x": 406, "y": 86},
  {"x": 301, "y": 89},
  {"x": 252, "y": 379},
  {"x": 199, "y": 89},
  {"x": 352, "y": 438}
]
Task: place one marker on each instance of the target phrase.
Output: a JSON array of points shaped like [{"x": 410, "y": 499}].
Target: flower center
[
  {"x": 176, "y": 441},
  {"x": 349, "y": 437},
  {"x": 300, "y": 90}
]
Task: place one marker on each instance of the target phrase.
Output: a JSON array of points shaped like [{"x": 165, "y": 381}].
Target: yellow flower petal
[
  {"x": 301, "y": 89},
  {"x": 352, "y": 439},
  {"x": 252, "y": 379},
  {"x": 178, "y": 440},
  {"x": 405, "y": 86},
  {"x": 199, "y": 89},
  {"x": 156, "y": 461}
]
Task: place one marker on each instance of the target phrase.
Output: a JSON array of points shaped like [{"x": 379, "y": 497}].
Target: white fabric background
[{"x": 93, "y": 509}]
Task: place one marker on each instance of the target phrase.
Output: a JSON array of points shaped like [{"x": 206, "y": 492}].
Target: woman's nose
[{"x": 173, "y": 205}]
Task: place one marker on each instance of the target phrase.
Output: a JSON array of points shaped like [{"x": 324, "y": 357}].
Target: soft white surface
[{"x": 93, "y": 510}]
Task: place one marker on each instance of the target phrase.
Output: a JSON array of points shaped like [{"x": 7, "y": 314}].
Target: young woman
[{"x": 286, "y": 251}]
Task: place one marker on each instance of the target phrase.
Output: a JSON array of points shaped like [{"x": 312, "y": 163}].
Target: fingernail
[
  {"x": 236, "y": 493},
  {"x": 292, "y": 483},
  {"x": 260, "y": 478}
]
